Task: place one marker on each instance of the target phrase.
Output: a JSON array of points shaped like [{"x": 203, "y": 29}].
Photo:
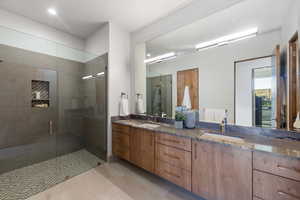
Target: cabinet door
[
  {"x": 221, "y": 172},
  {"x": 203, "y": 177},
  {"x": 147, "y": 150},
  {"x": 135, "y": 150},
  {"x": 142, "y": 149}
]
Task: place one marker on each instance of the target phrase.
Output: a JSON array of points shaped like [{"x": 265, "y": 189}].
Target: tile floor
[
  {"x": 22, "y": 183},
  {"x": 115, "y": 181}
]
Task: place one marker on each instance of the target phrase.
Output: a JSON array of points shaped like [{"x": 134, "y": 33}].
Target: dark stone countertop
[{"x": 253, "y": 142}]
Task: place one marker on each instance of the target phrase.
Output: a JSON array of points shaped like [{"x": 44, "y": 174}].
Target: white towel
[
  {"x": 209, "y": 115},
  {"x": 140, "y": 106},
  {"x": 124, "y": 111},
  {"x": 186, "y": 98},
  {"x": 214, "y": 115}
]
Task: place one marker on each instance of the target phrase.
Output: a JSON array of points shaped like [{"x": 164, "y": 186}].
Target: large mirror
[{"x": 242, "y": 61}]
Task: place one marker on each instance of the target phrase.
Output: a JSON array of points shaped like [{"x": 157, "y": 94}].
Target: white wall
[
  {"x": 216, "y": 69},
  {"x": 139, "y": 74},
  {"x": 119, "y": 72},
  {"x": 28, "y": 26},
  {"x": 196, "y": 10},
  {"x": 243, "y": 98},
  {"x": 291, "y": 23},
  {"x": 20, "y": 32},
  {"x": 98, "y": 42}
]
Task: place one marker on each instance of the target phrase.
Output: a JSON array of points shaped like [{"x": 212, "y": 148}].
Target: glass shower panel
[
  {"x": 94, "y": 91},
  {"x": 79, "y": 141}
]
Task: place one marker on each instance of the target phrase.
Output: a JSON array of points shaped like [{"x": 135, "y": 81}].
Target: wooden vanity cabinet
[
  {"x": 221, "y": 172},
  {"x": 211, "y": 170},
  {"x": 142, "y": 149}
]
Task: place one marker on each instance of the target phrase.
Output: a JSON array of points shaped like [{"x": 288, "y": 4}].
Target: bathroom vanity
[{"x": 210, "y": 165}]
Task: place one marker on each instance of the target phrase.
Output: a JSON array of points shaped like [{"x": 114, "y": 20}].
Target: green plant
[{"x": 179, "y": 116}]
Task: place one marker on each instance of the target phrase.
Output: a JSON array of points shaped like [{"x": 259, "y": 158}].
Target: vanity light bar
[
  {"x": 88, "y": 77},
  {"x": 100, "y": 74},
  {"x": 164, "y": 57},
  {"x": 228, "y": 39},
  {"x": 93, "y": 76}
]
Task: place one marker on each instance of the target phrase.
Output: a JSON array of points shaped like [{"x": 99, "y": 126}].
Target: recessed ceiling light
[{"x": 52, "y": 11}]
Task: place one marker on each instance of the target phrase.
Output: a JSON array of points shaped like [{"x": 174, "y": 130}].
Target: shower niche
[{"x": 40, "y": 94}]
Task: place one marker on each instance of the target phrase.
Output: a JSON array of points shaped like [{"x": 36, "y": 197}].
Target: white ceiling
[
  {"x": 82, "y": 17},
  {"x": 267, "y": 15}
]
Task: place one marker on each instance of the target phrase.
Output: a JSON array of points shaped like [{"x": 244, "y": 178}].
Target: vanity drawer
[
  {"x": 120, "y": 128},
  {"x": 175, "y": 157},
  {"x": 286, "y": 167},
  {"x": 173, "y": 174},
  {"x": 174, "y": 141},
  {"x": 270, "y": 187},
  {"x": 121, "y": 139}
]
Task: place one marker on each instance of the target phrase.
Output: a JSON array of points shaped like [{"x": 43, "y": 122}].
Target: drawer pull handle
[
  {"x": 171, "y": 156},
  {"x": 171, "y": 174},
  {"x": 288, "y": 195},
  {"x": 288, "y": 168},
  {"x": 173, "y": 141}
]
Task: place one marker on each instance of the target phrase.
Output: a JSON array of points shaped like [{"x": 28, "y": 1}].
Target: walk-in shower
[{"x": 53, "y": 113}]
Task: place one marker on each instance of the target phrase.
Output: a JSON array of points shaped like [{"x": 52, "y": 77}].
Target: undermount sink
[
  {"x": 149, "y": 125},
  {"x": 223, "y": 138}
]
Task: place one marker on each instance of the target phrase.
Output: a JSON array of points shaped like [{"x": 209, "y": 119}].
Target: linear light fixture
[
  {"x": 164, "y": 57},
  {"x": 100, "y": 74},
  {"x": 228, "y": 39},
  {"x": 88, "y": 77}
]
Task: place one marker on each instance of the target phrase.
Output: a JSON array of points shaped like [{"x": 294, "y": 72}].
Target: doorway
[{"x": 189, "y": 78}]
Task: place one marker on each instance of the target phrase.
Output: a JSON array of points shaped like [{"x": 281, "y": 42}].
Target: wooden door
[
  {"x": 221, "y": 172},
  {"x": 293, "y": 82},
  {"x": 188, "y": 78}
]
